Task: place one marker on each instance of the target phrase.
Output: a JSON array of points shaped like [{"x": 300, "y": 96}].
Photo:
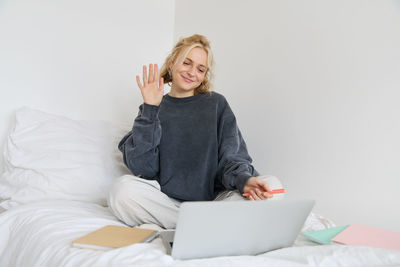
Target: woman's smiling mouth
[{"x": 187, "y": 79}]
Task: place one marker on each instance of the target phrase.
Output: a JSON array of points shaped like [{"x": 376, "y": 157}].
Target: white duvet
[{"x": 40, "y": 234}]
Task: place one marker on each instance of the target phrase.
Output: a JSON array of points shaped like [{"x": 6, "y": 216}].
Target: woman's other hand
[
  {"x": 257, "y": 189},
  {"x": 152, "y": 88}
]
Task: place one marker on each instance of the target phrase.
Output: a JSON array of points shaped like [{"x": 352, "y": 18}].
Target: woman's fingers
[
  {"x": 161, "y": 83},
  {"x": 151, "y": 74},
  {"x": 264, "y": 185},
  {"x": 138, "y": 82},
  {"x": 254, "y": 195},
  {"x": 144, "y": 75},
  {"x": 155, "y": 77},
  {"x": 264, "y": 189},
  {"x": 153, "y": 88},
  {"x": 259, "y": 194},
  {"x": 150, "y": 78}
]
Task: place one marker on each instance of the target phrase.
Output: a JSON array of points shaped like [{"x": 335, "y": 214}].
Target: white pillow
[{"x": 53, "y": 157}]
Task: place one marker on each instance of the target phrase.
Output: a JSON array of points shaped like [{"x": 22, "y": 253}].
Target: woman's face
[{"x": 188, "y": 76}]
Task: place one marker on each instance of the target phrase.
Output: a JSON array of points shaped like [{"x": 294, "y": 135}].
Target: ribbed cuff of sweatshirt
[
  {"x": 241, "y": 180},
  {"x": 150, "y": 111}
]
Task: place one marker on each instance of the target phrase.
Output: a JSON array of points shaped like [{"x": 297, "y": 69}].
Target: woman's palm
[{"x": 152, "y": 88}]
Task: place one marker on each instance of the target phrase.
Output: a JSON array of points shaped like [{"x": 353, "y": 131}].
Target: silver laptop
[{"x": 231, "y": 228}]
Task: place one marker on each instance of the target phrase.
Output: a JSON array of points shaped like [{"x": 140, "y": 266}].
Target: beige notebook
[{"x": 114, "y": 236}]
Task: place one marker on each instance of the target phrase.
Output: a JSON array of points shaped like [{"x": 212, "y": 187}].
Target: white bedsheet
[{"x": 40, "y": 234}]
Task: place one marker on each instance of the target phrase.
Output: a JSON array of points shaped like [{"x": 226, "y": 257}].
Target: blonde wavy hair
[{"x": 178, "y": 55}]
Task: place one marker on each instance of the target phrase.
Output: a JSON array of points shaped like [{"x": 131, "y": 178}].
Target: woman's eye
[
  {"x": 185, "y": 63},
  {"x": 201, "y": 71}
]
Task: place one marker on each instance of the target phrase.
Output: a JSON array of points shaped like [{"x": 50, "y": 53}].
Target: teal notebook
[{"x": 324, "y": 236}]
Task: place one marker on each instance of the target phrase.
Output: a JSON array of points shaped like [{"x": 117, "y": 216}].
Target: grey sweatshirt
[{"x": 192, "y": 146}]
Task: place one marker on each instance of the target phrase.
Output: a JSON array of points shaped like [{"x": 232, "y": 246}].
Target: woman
[{"x": 184, "y": 146}]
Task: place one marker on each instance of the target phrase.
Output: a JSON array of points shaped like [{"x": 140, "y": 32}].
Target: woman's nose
[{"x": 191, "y": 71}]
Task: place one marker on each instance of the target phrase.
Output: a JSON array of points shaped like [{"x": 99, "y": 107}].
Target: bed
[{"x": 53, "y": 190}]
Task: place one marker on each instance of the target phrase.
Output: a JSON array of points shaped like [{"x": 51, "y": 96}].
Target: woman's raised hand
[{"x": 152, "y": 88}]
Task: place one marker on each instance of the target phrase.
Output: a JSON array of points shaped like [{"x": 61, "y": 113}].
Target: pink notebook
[{"x": 362, "y": 235}]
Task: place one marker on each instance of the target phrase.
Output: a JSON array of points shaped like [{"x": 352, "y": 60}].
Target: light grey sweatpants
[{"x": 136, "y": 201}]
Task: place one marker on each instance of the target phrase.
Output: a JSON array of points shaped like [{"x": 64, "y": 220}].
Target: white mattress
[{"x": 40, "y": 234}]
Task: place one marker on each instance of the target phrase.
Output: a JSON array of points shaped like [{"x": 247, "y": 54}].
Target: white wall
[
  {"x": 315, "y": 88},
  {"x": 79, "y": 58}
]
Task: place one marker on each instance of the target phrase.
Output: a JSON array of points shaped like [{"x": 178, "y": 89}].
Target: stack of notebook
[
  {"x": 114, "y": 236},
  {"x": 357, "y": 235}
]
